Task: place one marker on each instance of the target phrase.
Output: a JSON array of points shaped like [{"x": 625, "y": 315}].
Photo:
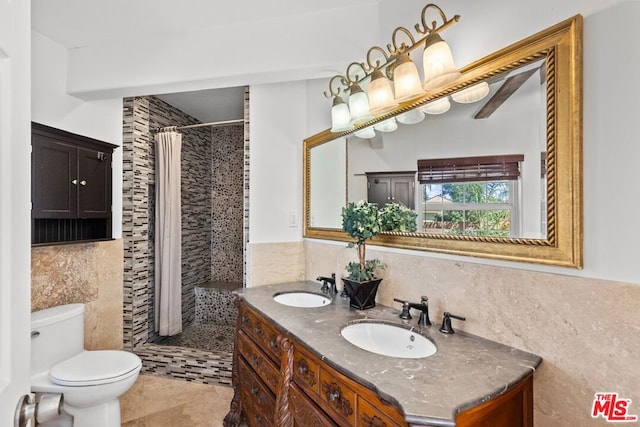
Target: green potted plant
[
  {"x": 399, "y": 218},
  {"x": 362, "y": 221}
]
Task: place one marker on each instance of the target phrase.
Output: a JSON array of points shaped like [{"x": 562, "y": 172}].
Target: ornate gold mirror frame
[{"x": 561, "y": 46}]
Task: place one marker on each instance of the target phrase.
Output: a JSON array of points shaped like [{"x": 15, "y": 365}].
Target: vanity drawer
[
  {"x": 337, "y": 396},
  {"x": 265, "y": 335},
  {"x": 258, "y": 402},
  {"x": 369, "y": 416},
  {"x": 305, "y": 411},
  {"x": 306, "y": 372},
  {"x": 256, "y": 359}
]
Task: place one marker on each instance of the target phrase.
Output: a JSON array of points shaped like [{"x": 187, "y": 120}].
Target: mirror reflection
[{"x": 474, "y": 169}]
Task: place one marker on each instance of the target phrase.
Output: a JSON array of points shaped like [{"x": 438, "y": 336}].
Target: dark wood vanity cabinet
[
  {"x": 388, "y": 187},
  {"x": 70, "y": 186},
  {"x": 279, "y": 382}
]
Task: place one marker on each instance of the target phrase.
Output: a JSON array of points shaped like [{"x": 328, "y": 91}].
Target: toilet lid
[{"x": 95, "y": 367}]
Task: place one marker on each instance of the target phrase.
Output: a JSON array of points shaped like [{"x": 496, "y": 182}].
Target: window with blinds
[
  {"x": 465, "y": 169},
  {"x": 474, "y": 196}
]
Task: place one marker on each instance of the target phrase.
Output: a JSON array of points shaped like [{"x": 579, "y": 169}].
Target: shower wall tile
[
  {"x": 141, "y": 115},
  {"x": 227, "y": 203},
  {"x": 88, "y": 273}
]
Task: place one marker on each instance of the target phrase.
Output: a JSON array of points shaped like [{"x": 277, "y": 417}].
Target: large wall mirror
[{"x": 529, "y": 127}]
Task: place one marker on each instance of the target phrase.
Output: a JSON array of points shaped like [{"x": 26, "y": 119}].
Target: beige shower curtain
[{"x": 168, "y": 234}]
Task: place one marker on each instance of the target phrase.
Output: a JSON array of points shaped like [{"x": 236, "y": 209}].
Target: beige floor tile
[{"x": 159, "y": 402}]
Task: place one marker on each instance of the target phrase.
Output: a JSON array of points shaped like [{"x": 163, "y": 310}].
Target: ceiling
[{"x": 77, "y": 24}]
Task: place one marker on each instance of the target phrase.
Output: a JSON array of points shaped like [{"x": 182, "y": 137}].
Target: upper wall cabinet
[{"x": 70, "y": 186}]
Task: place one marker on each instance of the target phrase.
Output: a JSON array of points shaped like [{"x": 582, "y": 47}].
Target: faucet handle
[
  {"x": 446, "y": 322},
  {"x": 424, "y": 299},
  {"x": 405, "y": 314}
]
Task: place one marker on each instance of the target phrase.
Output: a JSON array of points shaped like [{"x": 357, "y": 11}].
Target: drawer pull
[
  {"x": 302, "y": 367},
  {"x": 254, "y": 390},
  {"x": 372, "y": 421},
  {"x": 273, "y": 344},
  {"x": 257, "y": 330},
  {"x": 334, "y": 394},
  {"x": 254, "y": 361}
]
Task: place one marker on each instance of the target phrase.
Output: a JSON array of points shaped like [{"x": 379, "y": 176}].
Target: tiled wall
[
  {"x": 227, "y": 203},
  {"x": 89, "y": 273},
  {"x": 140, "y": 116}
]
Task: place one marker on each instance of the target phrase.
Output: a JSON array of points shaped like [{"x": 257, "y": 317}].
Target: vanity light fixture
[
  {"x": 340, "y": 116},
  {"x": 381, "y": 99},
  {"x": 388, "y": 125},
  {"x": 406, "y": 79},
  {"x": 439, "y": 106},
  {"x": 411, "y": 117},
  {"x": 471, "y": 94},
  {"x": 366, "y": 133},
  {"x": 437, "y": 61},
  {"x": 358, "y": 105},
  {"x": 395, "y": 65}
]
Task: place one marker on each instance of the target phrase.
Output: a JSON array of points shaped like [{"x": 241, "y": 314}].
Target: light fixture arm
[
  {"x": 433, "y": 28},
  {"x": 394, "y": 50}
]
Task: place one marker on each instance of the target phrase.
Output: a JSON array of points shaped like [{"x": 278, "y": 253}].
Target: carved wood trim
[
  {"x": 234, "y": 416},
  {"x": 283, "y": 416}
]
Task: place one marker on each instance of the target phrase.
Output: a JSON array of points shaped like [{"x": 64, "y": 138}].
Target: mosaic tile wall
[
  {"x": 138, "y": 186},
  {"x": 147, "y": 113},
  {"x": 227, "y": 203}
]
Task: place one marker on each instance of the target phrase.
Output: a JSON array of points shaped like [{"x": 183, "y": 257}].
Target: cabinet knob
[
  {"x": 83, "y": 182},
  {"x": 74, "y": 182}
]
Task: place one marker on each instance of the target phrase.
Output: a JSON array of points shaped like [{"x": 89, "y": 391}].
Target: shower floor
[{"x": 215, "y": 338}]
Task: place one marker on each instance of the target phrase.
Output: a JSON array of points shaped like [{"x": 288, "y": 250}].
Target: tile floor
[
  {"x": 209, "y": 337},
  {"x": 163, "y": 402}
]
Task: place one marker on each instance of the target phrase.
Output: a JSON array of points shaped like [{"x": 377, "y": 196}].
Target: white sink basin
[
  {"x": 388, "y": 340},
  {"x": 302, "y": 299}
]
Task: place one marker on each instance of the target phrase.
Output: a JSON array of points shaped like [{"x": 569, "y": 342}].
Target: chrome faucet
[
  {"x": 423, "y": 306},
  {"x": 328, "y": 284}
]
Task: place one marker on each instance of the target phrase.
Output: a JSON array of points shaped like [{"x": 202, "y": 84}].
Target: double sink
[{"x": 383, "y": 338}]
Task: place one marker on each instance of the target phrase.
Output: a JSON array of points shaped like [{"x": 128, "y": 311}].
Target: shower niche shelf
[{"x": 70, "y": 187}]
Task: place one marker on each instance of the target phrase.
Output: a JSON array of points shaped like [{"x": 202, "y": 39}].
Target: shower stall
[{"x": 214, "y": 210}]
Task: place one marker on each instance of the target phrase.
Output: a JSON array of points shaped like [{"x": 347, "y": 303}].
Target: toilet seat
[{"x": 94, "y": 368}]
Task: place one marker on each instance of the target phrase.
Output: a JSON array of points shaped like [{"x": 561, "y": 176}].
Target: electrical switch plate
[{"x": 293, "y": 219}]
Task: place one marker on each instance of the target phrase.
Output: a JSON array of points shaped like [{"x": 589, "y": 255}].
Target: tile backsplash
[{"x": 89, "y": 273}]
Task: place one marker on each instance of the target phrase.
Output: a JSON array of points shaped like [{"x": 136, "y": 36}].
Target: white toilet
[{"x": 91, "y": 381}]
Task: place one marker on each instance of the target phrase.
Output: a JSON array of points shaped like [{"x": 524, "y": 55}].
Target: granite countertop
[{"x": 466, "y": 370}]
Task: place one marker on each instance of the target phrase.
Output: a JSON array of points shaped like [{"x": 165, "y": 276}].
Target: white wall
[
  {"x": 52, "y": 106},
  {"x": 277, "y": 126}
]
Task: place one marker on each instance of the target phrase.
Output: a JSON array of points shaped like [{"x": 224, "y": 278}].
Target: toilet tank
[{"x": 57, "y": 333}]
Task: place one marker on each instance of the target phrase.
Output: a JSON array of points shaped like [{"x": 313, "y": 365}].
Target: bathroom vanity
[{"x": 293, "y": 367}]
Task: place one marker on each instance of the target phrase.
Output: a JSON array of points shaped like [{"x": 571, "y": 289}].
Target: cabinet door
[
  {"x": 54, "y": 182},
  {"x": 402, "y": 191},
  {"x": 379, "y": 191},
  {"x": 94, "y": 183}
]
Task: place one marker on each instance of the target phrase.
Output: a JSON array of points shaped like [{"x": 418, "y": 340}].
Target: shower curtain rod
[{"x": 200, "y": 125}]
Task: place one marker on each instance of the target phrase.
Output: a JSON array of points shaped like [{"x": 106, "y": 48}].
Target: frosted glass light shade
[
  {"x": 340, "y": 116},
  {"x": 471, "y": 94},
  {"x": 406, "y": 80},
  {"x": 388, "y": 125},
  {"x": 366, "y": 133},
  {"x": 437, "y": 60},
  {"x": 439, "y": 106},
  {"x": 380, "y": 94},
  {"x": 411, "y": 117},
  {"x": 358, "y": 105}
]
